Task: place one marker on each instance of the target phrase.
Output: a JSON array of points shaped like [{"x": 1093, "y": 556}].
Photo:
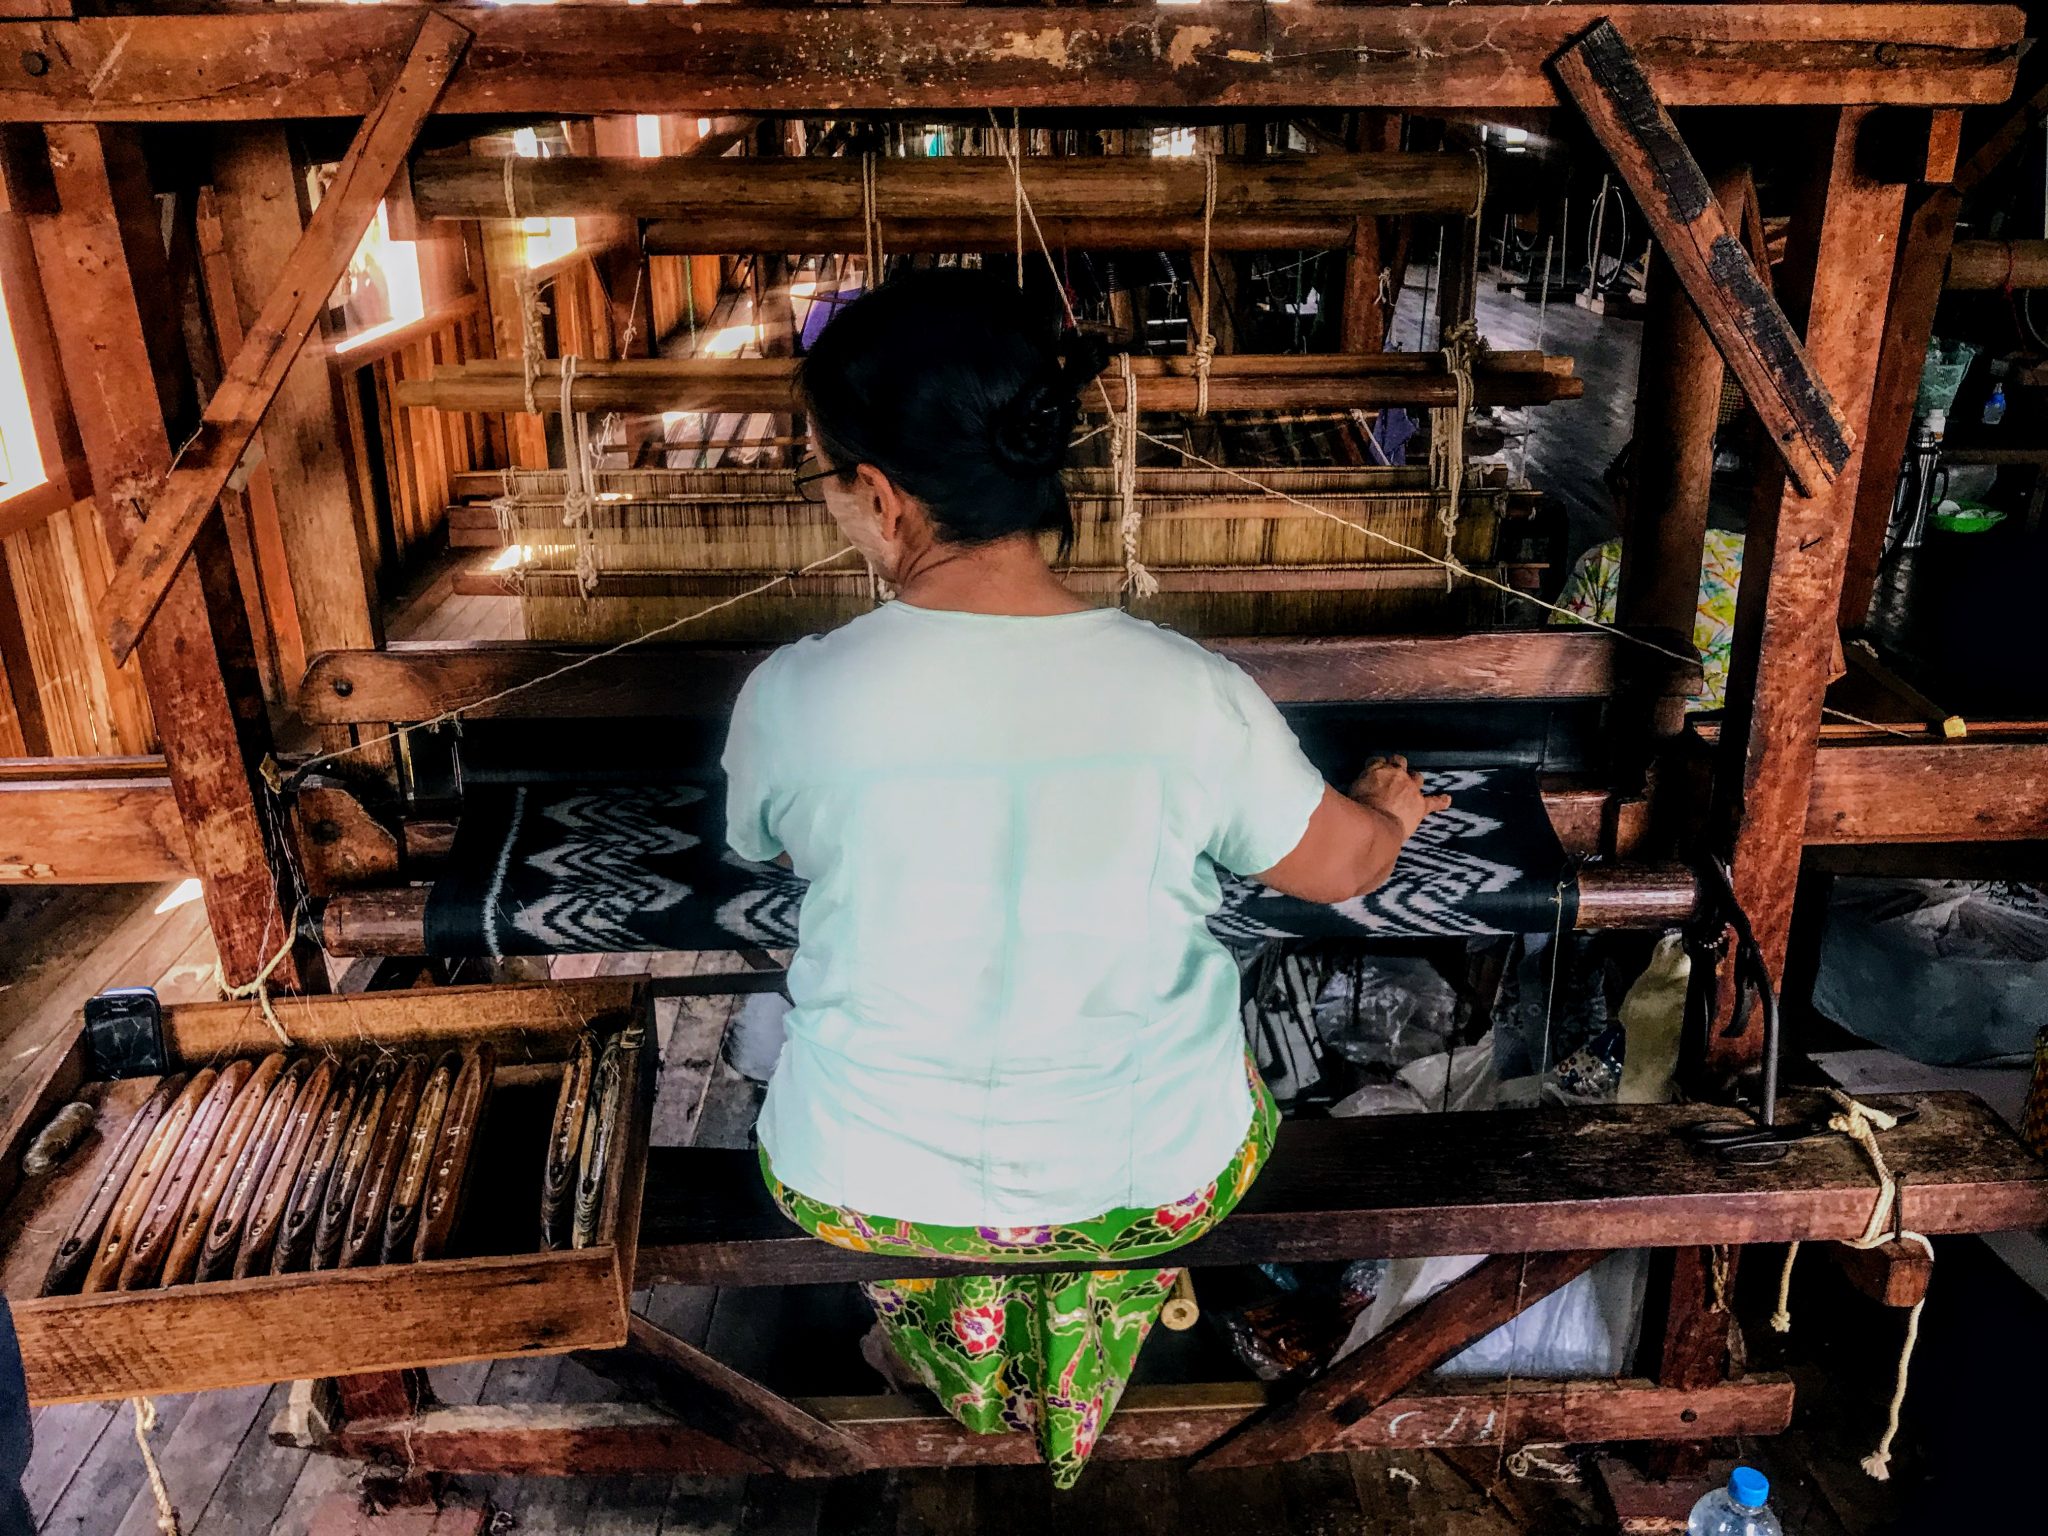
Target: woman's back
[{"x": 1008, "y": 1008}]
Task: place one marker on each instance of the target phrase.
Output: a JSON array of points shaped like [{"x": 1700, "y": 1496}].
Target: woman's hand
[
  {"x": 1390, "y": 786},
  {"x": 1352, "y": 840}
]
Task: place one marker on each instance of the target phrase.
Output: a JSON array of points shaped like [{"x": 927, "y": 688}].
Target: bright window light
[
  {"x": 511, "y": 557},
  {"x": 21, "y": 459},
  {"x": 184, "y": 893},
  {"x": 392, "y": 266},
  {"x": 730, "y": 340},
  {"x": 546, "y": 239},
  {"x": 647, "y": 129},
  {"x": 1173, "y": 142}
]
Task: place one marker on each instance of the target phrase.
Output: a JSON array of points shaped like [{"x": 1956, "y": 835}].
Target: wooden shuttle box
[{"x": 494, "y": 1293}]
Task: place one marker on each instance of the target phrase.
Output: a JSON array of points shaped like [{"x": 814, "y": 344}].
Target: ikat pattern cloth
[{"x": 551, "y": 869}]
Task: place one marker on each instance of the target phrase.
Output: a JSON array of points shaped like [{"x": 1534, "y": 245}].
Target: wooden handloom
[{"x": 1544, "y": 1192}]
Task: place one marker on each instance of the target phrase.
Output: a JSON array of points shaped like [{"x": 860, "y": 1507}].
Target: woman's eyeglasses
[{"x": 810, "y": 484}]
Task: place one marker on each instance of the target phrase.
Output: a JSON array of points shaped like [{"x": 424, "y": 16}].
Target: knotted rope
[
  {"x": 1201, "y": 341},
  {"x": 532, "y": 341},
  {"x": 258, "y": 986},
  {"x": 1447, "y": 439},
  {"x": 579, "y": 493},
  {"x": 871, "y": 222},
  {"x": 1861, "y": 1124},
  {"x": 1137, "y": 579},
  {"x": 145, "y": 1422}
]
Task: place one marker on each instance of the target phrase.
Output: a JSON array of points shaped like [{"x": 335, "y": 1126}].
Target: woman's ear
[{"x": 883, "y": 498}]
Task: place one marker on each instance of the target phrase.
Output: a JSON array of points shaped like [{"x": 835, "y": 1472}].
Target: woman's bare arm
[{"x": 1351, "y": 840}]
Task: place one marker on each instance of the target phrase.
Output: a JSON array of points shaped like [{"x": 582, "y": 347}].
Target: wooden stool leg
[{"x": 1692, "y": 1347}]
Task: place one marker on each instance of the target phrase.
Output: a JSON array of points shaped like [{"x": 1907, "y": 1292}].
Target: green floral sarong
[{"x": 1046, "y": 1352}]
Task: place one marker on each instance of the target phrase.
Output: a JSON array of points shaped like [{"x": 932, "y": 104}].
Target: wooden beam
[
  {"x": 1792, "y": 573},
  {"x": 420, "y": 681},
  {"x": 1497, "y": 1291},
  {"x": 1895, "y": 1275},
  {"x": 1609, "y": 85},
  {"x": 1916, "y": 290},
  {"x": 102, "y": 254},
  {"x": 1237, "y": 382},
  {"x": 703, "y": 205},
  {"x": 1413, "y": 1185},
  {"x": 1678, "y": 407},
  {"x": 1928, "y": 792},
  {"x": 261, "y": 63},
  {"x": 1981, "y": 264},
  {"x": 715, "y": 1398},
  {"x": 61, "y": 825},
  {"x": 393, "y": 920},
  {"x": 1915, "y": 294},
  {"x": 279, "y": 330},
  {"x": 305, "y": 474},
  {"x": 1151, "y": 1423}
]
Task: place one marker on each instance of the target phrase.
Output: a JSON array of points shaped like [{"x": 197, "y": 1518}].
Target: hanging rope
[
  {"x": 145, "y": 1425},
  {"x": 1138, "y": 581},
  {"x": 1017, "y": 183},
  {"x": 1861, "y": 1124},
  {"x": 871, "y": 221},
  {"x": 1201, "y": 341},
  {"x": 579, "y": 494},
  {"x": 533, "y": 344},
  {"x": 1447, "y": 439},
  {"x": 258, "y": 986}
]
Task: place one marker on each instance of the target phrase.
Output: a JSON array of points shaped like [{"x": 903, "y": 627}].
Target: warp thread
[
  {"x": 1202, "y": 342},
  {"x": 145, "y": 1423},
  {"x": 1017, "y": 186},
  {"x": 1860, "y": 1123},
  {"x": 1138, "y": 581}
]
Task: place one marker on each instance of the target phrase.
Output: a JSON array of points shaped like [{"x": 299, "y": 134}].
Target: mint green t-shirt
[{"x": 1008, "y": 1008}]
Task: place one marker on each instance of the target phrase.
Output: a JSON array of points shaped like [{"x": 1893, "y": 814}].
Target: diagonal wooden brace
[
  {"x": 252, "y": 380},
  {"x": 712, "y": 1397},
  {"x": 1749, "y": 330},
  {"x": 1497, "y": 1291}
]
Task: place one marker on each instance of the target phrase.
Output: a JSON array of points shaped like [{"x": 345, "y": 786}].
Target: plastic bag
[
  {"x": 1985, "y": 998},
  {"x": 1386, "y": 1011},
  {"x": 1586, "y": 1328}
]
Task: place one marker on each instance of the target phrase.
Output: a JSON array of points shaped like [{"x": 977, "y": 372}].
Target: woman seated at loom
[{"x": 1013, "y": 1036}]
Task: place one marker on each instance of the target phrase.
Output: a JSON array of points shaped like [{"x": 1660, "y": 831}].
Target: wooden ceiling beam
[
  {"x": 1237, "y": 382},
  {"x": 265, "y": 61},
  {"x": 760, "y": 194}
]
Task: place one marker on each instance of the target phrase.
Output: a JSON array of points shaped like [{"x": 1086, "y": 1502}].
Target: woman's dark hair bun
[{"x": 1031, "y": 433}]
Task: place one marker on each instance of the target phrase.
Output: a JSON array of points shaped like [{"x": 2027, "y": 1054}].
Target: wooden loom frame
[{"x": 91, "y": 79}]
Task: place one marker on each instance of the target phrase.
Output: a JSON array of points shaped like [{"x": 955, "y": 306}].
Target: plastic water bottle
[
  {"x": 1994, "y": 408},
  {"x": 1740, "y": 1509}
]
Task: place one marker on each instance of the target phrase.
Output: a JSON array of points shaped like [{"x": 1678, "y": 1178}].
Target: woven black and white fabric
[{"x": 554, "y": 869}]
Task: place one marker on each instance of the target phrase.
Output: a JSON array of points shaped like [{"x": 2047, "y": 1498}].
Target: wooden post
[
  {"x": 271, "y": 348},
  {"x": 1689, "y": 1318},
  {"x": 1838, "y": 271},
  {"x": 102, "y": 255},
  {"x": 1678, "y": 401},
  {"x": 257, "y": 186}
]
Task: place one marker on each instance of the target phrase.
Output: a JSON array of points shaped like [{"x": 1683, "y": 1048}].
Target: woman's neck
[{"x": 1009, "y": 577}]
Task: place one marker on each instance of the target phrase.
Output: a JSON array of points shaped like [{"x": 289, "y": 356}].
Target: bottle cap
[{"x": 1749, "y": 1487}]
